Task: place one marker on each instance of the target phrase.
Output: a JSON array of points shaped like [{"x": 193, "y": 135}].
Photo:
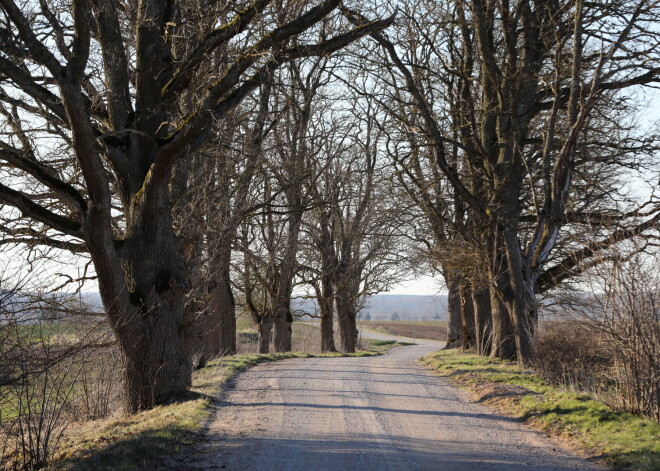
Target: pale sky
[{"x": 425, "y": 285}]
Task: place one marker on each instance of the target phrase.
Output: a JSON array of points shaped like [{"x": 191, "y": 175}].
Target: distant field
[{"x": 432, "y": 330}]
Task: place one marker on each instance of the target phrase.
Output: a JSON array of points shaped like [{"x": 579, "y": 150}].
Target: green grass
[
  {"x": 625, "y": 440},
  {"x": 145, "y": 440}
]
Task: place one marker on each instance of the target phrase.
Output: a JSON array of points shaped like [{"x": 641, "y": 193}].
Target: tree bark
[
  {"x": 503, "y": 341},
  {"x": 455, "y": 326},
  {"x": 327, "y": 333},
  {"x": 522, "y": 302},
  {"x": 265, "y": 329},
  {"x": 327, "y": 321},
  {"x": 222, "y": 332},
  {"x": 194, "y": 333},
  {"x": 156, "y": 365},
  {"x": 348, "y": 333},
  {"x": 148, "y": 320},
  {"x": 325, "y": 293},
  {"x": 482, "y": 319},
  {"x": 346, "y": 319},
  {"x": 282, "y": 339},
  {"x": 467, "y": 316}
]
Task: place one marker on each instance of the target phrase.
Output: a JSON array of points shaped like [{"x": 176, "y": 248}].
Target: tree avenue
[
  {"x": 122, "y": 92},
  {"x": 510, "y": 120},
  {"x": 216, "y": 158}
]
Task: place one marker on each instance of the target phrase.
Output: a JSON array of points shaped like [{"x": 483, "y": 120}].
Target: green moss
[{"x": 625, "y": 440}]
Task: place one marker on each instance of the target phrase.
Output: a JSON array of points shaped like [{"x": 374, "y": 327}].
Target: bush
[
  {"x": 35, "y": 407},
  {"x": 574, "y": 355},
  {"x": 55, "y": 374},
  {"x": 614, "y": 348}
]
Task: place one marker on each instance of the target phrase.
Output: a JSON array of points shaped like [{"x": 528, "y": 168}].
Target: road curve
[{"x": 379, "y": 413}]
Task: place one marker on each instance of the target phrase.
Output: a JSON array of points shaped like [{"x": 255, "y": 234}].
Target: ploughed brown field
[{"x": 431, "y": 330}]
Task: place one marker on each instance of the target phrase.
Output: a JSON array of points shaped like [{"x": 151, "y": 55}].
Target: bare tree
[
  {"x": 126, "y": 91},
  {"x": 516, "y": 92},
  {"x": 217, "y": 190},
  {"x": 623, "y": 307}
]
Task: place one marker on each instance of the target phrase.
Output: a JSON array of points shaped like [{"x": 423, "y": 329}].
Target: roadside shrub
[
  {"x": 574, "y": 355},
  {"x": 35, "y": 404},
  {"x": 56, "y": 373},
  {"x": 612, "y": 348},
  {"x": 98, "y": 392},
  {"x": 631, "y": 320}
]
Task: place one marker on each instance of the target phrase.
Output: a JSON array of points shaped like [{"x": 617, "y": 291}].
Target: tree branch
[{"x": 37, "y": 212}]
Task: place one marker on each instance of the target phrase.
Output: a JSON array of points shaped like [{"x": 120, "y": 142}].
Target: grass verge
[
  {"x": 625, "y": 440},
  {"x": 145, "y": 440}
]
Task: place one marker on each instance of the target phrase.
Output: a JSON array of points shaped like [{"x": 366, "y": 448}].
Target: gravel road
[{"x": 378, "y": 413}]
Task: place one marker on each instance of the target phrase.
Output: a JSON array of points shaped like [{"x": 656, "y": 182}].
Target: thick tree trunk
[
  {"x": 282, "y": 315},
  {"x": 327, "y": 321},
  {"x": 222, "y": 332},
  {"x": 467, "y": 316},
  {"x": 482, "y": 319},
  {"x": 265, "y": 330},
  {"x": 346, "y": 319},
  {"x": 326, "y": 292},
  {"x": 225, "y": 316},
  {"x": 522, "y": 305},
  {"x": 156, "y": 365},
  {"x": 283, "y": 321},
  {"x": 327, "y": 333},
  {"x": 144, "y": 301},
  {"x": 347, "y": 333},
  {"x": 503, "y": 341},
  {"x": 455, "y": 326}
]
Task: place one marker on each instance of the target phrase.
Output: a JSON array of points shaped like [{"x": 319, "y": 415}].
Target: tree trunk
[
  {"x": 482, "y": 319},
  {"x": 265, "y": 329},
  {"x": 503, "y": 341},
  {"x": 156, "y": 365},
  {"x": 196, "y": 322},
  {"x": 325, "y": 293},
  {"x": 522, "y": 305},
  {"x": 144, "y": 301},
  {"x": 455, "y": 326},
  {"x": 327, "y": 327},
  {"x": 287, "y": 271},
  {"x": 327, "y": 333},
  {"x": 225, "y": 316},
  {"x": 222, "y": 332},
  {"x": 283, "y": 320},
  {"x": 467, "y": 316},
  {"x": 348, "y": 333}
]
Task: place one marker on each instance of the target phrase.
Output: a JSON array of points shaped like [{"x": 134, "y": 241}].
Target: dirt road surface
[{"x": 378, "y": 413}]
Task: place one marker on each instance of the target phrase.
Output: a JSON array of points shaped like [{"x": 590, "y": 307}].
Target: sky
[{"x": 425, "y": 285}]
